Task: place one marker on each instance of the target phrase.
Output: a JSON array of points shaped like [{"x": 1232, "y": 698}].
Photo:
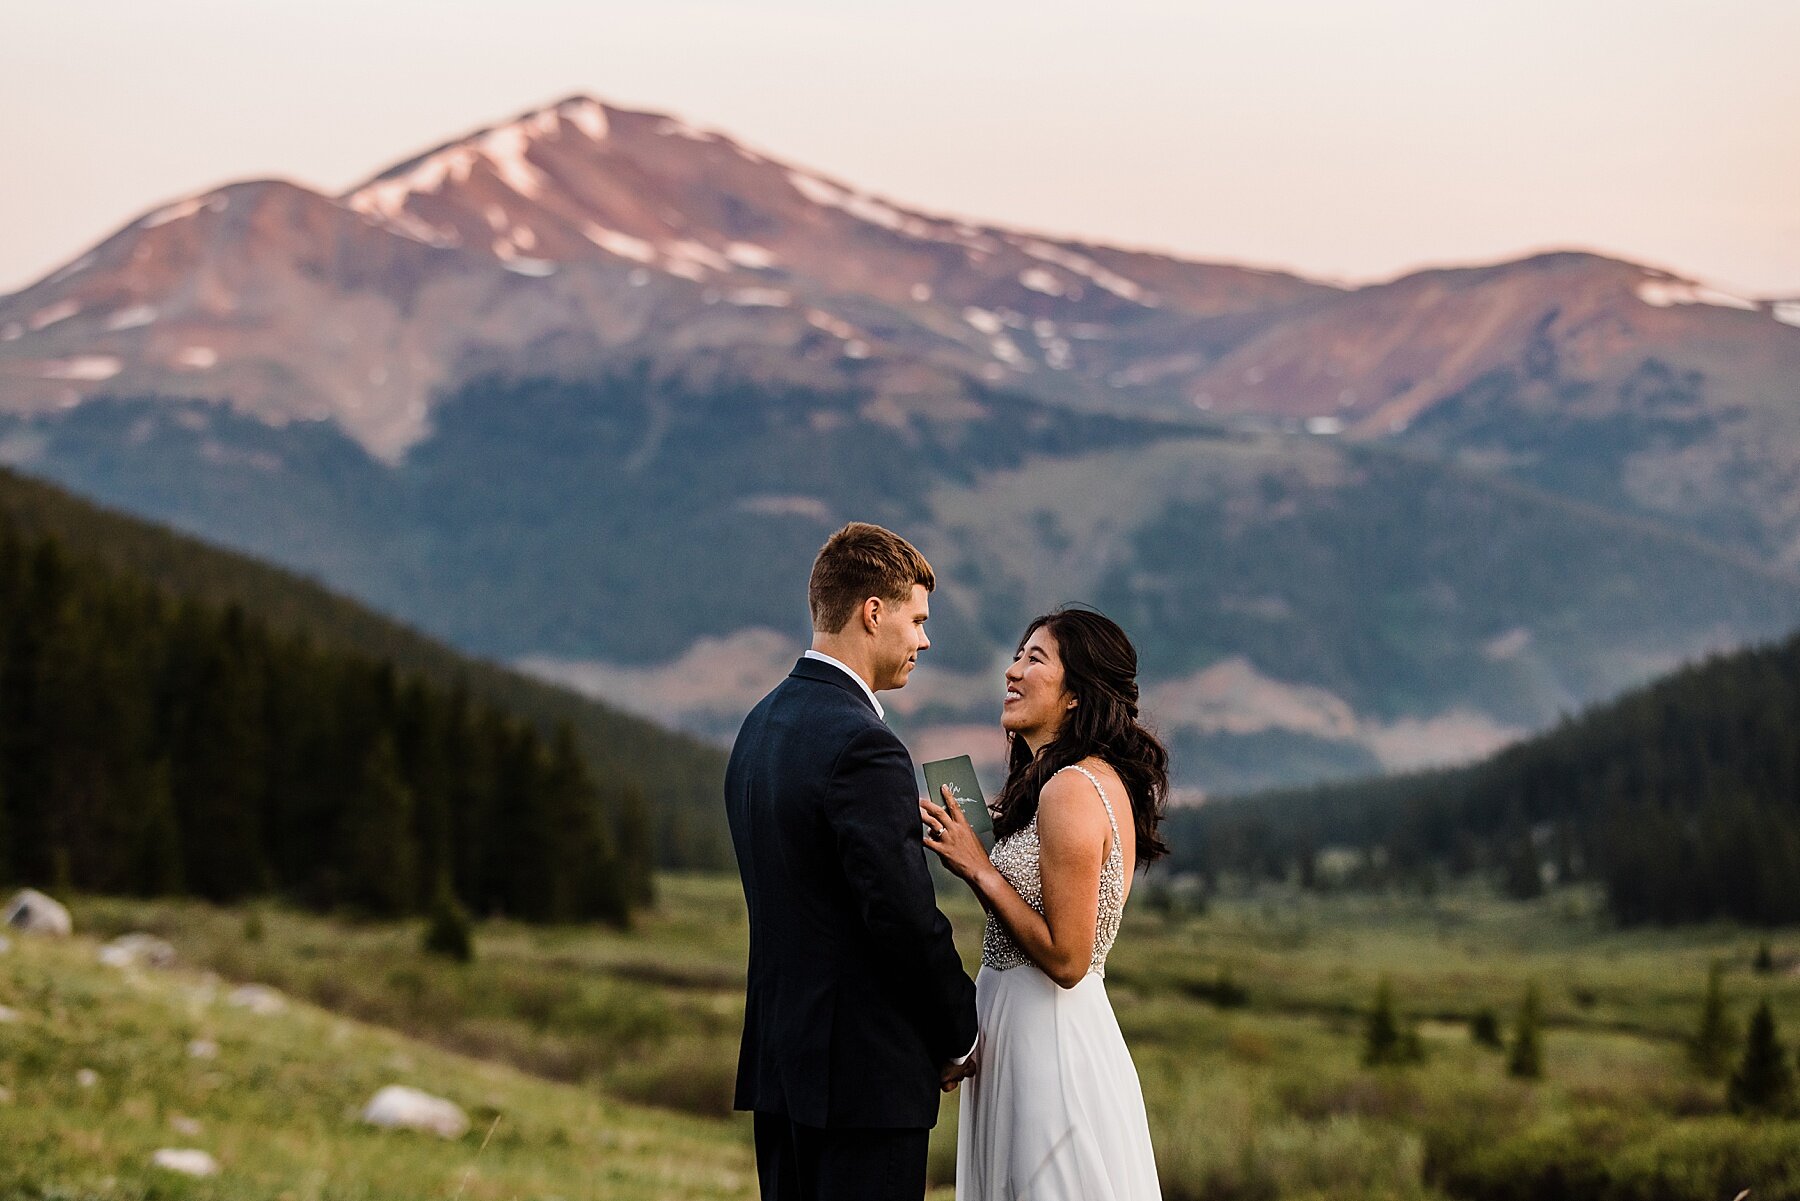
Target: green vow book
[{"x": 959, "y": 773}]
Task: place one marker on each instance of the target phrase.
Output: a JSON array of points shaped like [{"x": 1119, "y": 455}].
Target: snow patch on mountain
[
  {"x": 750, "y": 255},
  {"x": 535, "y": 268},
  {"x": 89, "y": 367},
  {"x": 621, "y": 244},
  {"x": 760, "y": 298},
  {"x": 842, "y": 330},
  {"x": 131, "y": 317},
  {"x": 506, "y": 149},
  {"x": 589, "y": 116},
  {"x": 983, "y": 320},
  {"x": 211, "y": 202},
  {"x": 1663, "y": 293},
  {"x": 49, "y": 315},
  {"x": 1039, "y": 279},
  {"x": 1087, "y": 268}
]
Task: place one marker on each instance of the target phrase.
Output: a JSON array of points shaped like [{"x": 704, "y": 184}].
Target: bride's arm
[{"x": 1072, "y": 834}]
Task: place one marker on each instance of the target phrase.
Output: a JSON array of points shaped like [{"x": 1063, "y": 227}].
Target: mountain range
[{"x": 583, "y": 391}]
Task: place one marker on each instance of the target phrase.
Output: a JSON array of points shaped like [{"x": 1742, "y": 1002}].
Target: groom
[{"x": 858, "y": 1009}]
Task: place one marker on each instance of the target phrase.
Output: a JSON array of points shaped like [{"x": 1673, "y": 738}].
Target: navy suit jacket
[{"x": 856, "y": 996}]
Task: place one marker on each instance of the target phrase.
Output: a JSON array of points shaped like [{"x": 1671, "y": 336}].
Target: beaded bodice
[{"x": 1016, "y": 858}]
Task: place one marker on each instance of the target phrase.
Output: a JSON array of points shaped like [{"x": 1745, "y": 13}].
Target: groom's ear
[{"x": 872, "y": 611}]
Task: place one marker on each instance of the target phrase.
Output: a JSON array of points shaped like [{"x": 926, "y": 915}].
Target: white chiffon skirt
[{"x": 1055, "y": 1112}]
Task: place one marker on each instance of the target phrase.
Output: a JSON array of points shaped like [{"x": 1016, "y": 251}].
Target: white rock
[
  {"x": 8, "y": 1014},
  {"x": 87, "y": 1077},
  {"x": 203, "y": 1048},
  {"x": 6, "y": 1095},
  {"x": 399, "y": 1107},
  {"x": 188, "y": 1160},
  {"x": 5, "y": 944},
  {"x": 137, "y": 950},
  {"x": 180, "y": 1123},
  {"x": 31, "y": 910},
  {"x": 257, "y": 998}
]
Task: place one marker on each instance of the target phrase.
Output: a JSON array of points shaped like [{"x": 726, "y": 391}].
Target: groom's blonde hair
[{"x": 860, "y": 561}]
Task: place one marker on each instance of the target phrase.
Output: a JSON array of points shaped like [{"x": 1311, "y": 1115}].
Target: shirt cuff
[{"x": 969, "y": 1054}]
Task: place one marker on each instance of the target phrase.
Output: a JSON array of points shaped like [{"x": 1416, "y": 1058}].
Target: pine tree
[
  {"x": 1764, "y": 1080},
  {"x": 1524, "y": 878},
  {"x": 380, "y": 857},
  {"x": 160, "y": 872},
  {"x": 448, "y": 931},
  {"x": 1484, "y": 1029},
  {"x": 1526, "y": 1059},
  {"x": 6, "y": 857},
  {"x": 1715, "y": 1038},
  {"x": 1383, "y": 1042},
  {"x": 586, "y": 868}
]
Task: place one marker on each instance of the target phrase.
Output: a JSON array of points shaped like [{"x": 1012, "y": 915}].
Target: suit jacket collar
[{"x": 825, "y": 673}]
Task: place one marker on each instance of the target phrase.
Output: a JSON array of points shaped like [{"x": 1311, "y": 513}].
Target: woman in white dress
[{"x": 1054, "y": 1111}]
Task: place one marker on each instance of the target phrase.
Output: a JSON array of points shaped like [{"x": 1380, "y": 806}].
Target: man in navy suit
[{"x": 858, "y": 1011}]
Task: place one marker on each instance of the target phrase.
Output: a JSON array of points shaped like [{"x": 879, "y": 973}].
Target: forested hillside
[
  {"x": 1682, "y": 798},
  {"x": 674, "y": 778}
]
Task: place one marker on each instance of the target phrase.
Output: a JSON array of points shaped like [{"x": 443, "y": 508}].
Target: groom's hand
[{"x": 955, "y": 1073}]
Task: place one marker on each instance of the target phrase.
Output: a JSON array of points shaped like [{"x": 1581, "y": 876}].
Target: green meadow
[{"x": 597, "y": 1063}]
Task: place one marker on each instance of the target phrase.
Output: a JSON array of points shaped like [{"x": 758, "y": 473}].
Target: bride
[{"x": 1055, "y": 1112}]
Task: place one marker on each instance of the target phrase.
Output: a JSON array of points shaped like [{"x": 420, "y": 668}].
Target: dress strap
[{"x": 1110, "y": 817}]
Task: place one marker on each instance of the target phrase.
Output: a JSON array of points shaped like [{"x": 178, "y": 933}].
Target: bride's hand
[{"x": 949, "y": 833}]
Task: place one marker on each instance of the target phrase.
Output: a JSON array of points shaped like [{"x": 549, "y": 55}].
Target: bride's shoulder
[{"x": 1070, "y": 794}]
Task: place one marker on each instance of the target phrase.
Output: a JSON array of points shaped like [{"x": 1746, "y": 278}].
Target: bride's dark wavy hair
[{"x": 1100, "y": 671}]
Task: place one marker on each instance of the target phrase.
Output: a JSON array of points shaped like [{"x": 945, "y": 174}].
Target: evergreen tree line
[
  {"x": 1682, "y": 798},
  {"x": 158, "y": 745},
  {"x": 685, "y": 826}
]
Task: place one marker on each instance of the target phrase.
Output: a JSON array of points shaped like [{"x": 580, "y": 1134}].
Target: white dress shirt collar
[{"x": 861, "y": 683}]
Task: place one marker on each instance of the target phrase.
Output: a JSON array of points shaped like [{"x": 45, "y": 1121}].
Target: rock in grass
[
  {"x": 5, "y": 944},
  {"x": 187, "y": 1160},
  {"x": 202, "y": 1048},
  {"x": 182, "y": 1124},
  {"x": 31, "y": 910},
  {"x": 398, "y": 1107},
  {"x": 138, "y": 950},
  {"x": 257, "y": 998},
  {"x": 87, "y": 1077},
  {"x": 8, "y": 1014}
]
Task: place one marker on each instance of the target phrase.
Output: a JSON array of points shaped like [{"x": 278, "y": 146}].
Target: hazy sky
[{"x": 1350, "y": 139}]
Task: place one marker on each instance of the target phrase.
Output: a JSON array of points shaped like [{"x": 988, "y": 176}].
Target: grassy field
[{"x": 607, "y": 1056}]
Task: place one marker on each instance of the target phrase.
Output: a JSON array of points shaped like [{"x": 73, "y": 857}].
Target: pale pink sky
[{"x": 1349, "y": 139}]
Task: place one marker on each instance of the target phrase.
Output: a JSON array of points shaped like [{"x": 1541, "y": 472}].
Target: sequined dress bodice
[{"x": 1016, "y": 858}]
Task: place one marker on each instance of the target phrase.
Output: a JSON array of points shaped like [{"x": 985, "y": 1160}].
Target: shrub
[
  {"x": 1223, "y": 992},
  {"x": 1526, "y": 1059}
]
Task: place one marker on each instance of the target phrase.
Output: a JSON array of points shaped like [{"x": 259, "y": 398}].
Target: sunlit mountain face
[{"x": 587, "y": 389}]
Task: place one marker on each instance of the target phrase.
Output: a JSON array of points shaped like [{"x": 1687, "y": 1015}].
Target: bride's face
[{"x": 1036, "y": 700}]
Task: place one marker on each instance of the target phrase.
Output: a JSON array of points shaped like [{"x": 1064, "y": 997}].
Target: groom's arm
[{"x": 874, "y": 816}]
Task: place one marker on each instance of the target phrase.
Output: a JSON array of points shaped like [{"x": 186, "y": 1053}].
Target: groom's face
[{"x": 899, "y": 637}]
